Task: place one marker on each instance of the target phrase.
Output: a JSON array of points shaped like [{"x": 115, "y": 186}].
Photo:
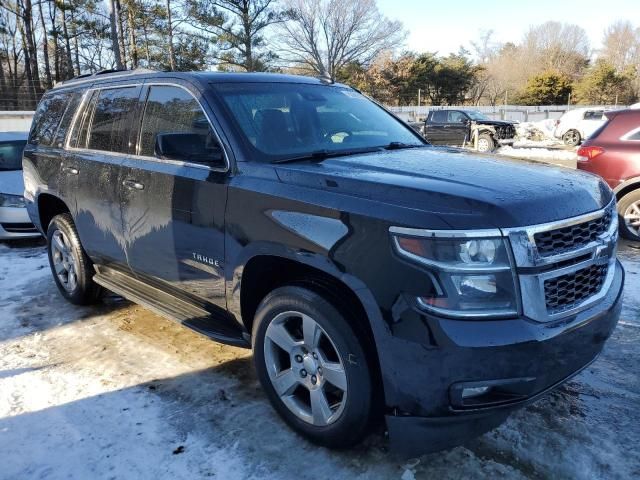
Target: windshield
[
  {"x": 477, "y": 116},
  {"x": 11, "y": 154},
  {"x": 290, "y": 120}
]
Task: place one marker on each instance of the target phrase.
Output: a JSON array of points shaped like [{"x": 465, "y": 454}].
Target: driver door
[
  {"x": 457, "y": 128},
  {"x": 174, "y": 194}
]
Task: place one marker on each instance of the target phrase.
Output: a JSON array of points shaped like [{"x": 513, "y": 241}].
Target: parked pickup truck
[
  {"x": 467, "y": 128},
  {"x": 373, "y": 275}
]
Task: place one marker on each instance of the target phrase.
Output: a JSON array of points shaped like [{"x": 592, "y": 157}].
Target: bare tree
[
  {"x": 115, "y": 44},
  {"x": 323, "y": 36},
  {"x": 561, "y": 47},
  {"x": 238, "y": 28},
  {"x": 621, "y": 46}
]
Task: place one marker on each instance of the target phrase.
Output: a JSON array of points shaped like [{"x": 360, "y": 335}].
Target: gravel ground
[{"x": 117, "y": 392}]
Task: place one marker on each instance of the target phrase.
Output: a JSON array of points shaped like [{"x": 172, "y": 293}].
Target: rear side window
[
  {"x": 175, "y": 127},
  {"x": 112, "y": 117},
  {"x": 67, "y": 118},
  {"x": 633, "y": 135},
  {"x": 439, "y": 117},
  {"x": 593, "y": 115},
  {"x": 47, "y": 118}
]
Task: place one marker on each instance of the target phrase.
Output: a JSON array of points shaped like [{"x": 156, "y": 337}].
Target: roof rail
[{"x": 111, "y": 71}]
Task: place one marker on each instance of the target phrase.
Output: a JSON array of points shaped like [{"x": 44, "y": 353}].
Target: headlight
[
  {"x": 15, "y": 201},
  {"x": 472, "y": 271}
]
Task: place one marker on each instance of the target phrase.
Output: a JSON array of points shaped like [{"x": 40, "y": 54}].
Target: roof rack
[{"x": 110, "y": 71}]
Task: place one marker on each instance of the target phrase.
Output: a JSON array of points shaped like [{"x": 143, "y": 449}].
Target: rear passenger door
[
  {"x": 174, "y": 195},
  {"x": 435, "y": 128},
  {"x": 100, "y": 141}
]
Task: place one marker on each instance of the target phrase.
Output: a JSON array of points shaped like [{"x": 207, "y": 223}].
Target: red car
[{"x": 613, "y": 152}]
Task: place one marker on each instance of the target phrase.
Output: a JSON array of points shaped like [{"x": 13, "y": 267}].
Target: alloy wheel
[
  {"x": 64, "y": 261},
  {"x": 483, "y": 145},
  {"x": 632, "y": 217},
  {"x": 305, "y": 368}
]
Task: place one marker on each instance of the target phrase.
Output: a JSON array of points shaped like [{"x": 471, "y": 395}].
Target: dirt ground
[{"x": 117, "y": 392}]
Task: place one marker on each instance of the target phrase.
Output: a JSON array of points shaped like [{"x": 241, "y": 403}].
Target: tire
[
  {"x": 71, "y": 267},
  {"x": 572, "y": 138},
  {"x": 485, "y": 143},
  {"x": 629, "y": 215},
  {"x": 348, "y": 395}
]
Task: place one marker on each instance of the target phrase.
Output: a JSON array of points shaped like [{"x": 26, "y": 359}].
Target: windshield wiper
[
  {"x": 401, "y": 145},
  {"x": 320, "y": 155}
]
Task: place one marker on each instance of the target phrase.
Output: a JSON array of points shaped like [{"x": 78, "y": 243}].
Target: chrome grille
[
  {"x": 566, "y": 291},
  {"x": 561, "y": 240},
  {"x": 565, "y": 266}
]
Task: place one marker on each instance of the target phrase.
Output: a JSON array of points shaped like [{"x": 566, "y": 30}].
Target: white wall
[{"x": 15, "y": 121}]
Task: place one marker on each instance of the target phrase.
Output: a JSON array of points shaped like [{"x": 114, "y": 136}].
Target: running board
[{"x": 197, "y": 318}]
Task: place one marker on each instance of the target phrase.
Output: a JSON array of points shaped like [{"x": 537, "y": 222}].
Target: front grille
[
  {"x": 561, "y": 240},
  {"x": 505, "y": 132},
  {"x": 567, "y": 291},
  {"x": 19, "y": 227}
]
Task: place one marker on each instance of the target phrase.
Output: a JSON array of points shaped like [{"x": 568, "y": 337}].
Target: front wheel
[
  {"x": 312, "y": 367},
  {"x": 485, "y": 143},
  {"x": 71, "y": 267},
  {"x": 629, "y": 212}
]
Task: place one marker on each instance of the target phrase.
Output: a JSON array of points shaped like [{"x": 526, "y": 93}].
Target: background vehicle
[
  {"x": 467, "y": 128},
  {"x": 577, "y": 124},
  {"x": 372, "y": 275},
  {"x": 613, "y": 152},
  {"x": 14, "y": 218}
]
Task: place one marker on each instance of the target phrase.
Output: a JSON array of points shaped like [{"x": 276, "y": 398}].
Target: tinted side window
[
  {"x": 633, "y": 136},
  {"x": 47, "y": 118},
  {"x": 593, "y": 115},
  {"x": 83, "y": 119},
  {"x": 175, "y": 127},
  {"x": 112, "y": 117},
  {"x": 65, "y": 123},
  {"x": 439, "y": 116}
]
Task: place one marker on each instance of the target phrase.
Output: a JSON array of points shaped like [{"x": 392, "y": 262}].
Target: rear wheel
[
  {"x": 72, "y": 269},
  {"x": 629, "y": 212},
  {"x": 571, "y": 138},
  {"x": 312, "y": 367}
]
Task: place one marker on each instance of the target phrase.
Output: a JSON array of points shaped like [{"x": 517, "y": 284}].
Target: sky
[{"x": 444, "y": 25}]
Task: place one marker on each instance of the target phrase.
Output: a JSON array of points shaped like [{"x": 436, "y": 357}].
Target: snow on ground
[
  {"x": 549, "y": 155},
  {"x": 116, "y": 392}
]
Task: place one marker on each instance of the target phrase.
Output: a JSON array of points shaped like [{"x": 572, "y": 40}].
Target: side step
[{"x": 208, "y": 323}]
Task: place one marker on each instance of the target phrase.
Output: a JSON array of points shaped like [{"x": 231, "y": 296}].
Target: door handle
[
  {"x": 70, "y": 170},
  {"x": 133, "y": 184}
]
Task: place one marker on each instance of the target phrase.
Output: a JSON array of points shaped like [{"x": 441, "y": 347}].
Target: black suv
[
  {"x": 462, "y": 128},
  {"x": 373, "y": 275}
]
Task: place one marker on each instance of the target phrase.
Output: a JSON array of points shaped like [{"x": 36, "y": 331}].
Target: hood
[
  {"x": 463, "y": 190},
  {"x": 11, "y": 182},
  {"x": 495, "y": 123}
]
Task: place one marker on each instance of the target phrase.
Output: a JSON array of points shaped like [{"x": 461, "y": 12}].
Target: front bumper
[
  {"x": 15, "y": 223},
  {"x": 524, "y": 357}
]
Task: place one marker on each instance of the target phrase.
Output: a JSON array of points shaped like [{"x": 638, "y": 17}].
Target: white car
[
  {"x": 578, "y": 124},
  {"x": 14, "y": 219}
]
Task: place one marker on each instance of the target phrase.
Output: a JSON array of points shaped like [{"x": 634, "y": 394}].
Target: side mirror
[{"x": 188, "y": 147}]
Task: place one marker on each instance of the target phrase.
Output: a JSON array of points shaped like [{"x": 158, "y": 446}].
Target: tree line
[{"x": 43, "y": 42}]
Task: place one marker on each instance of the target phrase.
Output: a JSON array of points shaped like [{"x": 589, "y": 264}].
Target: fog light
[{"x": 470, "y": 392}]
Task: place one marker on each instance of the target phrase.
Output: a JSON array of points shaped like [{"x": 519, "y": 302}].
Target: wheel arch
[
  {"x": 264, "y": 272},
  {"x": 626, "y": 187},
  {"x": 48, "y": 207}
]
